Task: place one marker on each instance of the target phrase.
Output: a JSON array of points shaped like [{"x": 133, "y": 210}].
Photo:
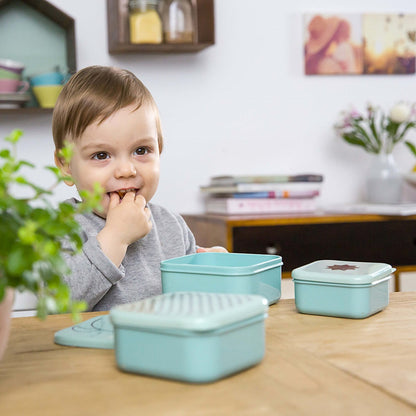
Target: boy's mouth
[{"x": 122, "y": 192}]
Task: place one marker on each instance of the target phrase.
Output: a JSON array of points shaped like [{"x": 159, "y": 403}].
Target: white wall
[{"x": 241, "y": 106}]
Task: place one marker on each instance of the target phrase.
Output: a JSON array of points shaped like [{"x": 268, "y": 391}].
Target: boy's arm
[{"x": 92, "y": 273}]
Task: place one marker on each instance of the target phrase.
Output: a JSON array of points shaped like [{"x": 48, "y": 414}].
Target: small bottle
[
  {"x": 145, "y": 21},
  {"x": 178, "y": 21}
]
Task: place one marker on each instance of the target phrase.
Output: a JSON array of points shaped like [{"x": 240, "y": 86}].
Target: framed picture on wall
[
  {"x": 389, "y": 43},
  {"x": 333, "y": 44},
  {"x": 359, "y": 44}
]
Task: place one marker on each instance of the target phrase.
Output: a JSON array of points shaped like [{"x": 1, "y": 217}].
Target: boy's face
[{"x": 121, "y": 153}]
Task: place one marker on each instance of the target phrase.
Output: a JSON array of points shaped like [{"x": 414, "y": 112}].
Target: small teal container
[
  {"x": 347, "y": 289},
  {"x": 256, "y": 274},
  {"x": 193, "y": 337}
]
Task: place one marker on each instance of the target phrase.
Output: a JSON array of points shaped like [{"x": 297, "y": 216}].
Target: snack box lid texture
[
  {"x": 343, "y": 272},
  {"x": 221, "y": 263},
  {"x": 195, "y": 311}
]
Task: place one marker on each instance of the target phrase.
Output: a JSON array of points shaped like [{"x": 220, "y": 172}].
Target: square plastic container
[
  {"x": 347, "y": 289},
  {"x": 257, "y": 274},
  {"x": 192, "y": 337}
]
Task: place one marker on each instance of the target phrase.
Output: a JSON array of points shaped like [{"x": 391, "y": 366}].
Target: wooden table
[
  {"x": 303, "y": 238},
  {"x": 314, "y": 365}
]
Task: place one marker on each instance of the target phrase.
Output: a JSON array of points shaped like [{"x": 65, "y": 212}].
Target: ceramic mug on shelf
[
  {"x": 5, "y": 74},
  {"x": 46, "y": 95},
  {"x": 12, "y": 66},
  {"x": 8, "y": 86},
  {"x": 47, "y": 78}
]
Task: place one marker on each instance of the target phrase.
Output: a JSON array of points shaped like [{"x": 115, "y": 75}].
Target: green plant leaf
[
  {"x": 14, "y": 136},
  {"x": 66, "y": 152},
  {"x": 5, "y": 153},
  {"x": 411, "y": 147},
  {"x": 20, "y": 258},
  {"x": 32, "y": 233}
]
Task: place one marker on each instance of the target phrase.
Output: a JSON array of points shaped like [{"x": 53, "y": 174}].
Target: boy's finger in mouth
[{"x": 123, "y": 192}]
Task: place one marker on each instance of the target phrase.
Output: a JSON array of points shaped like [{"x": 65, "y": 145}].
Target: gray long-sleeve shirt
[{"x": 96, "y": 279}]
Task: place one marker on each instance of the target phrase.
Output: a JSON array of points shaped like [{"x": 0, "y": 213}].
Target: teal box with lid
[
  {"x": 347, "y": 289},
  {"x": 190, "y": 336},
  {"x": 258, "y": 274}
]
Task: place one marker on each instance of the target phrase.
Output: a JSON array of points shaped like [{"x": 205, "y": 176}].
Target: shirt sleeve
[
  {"x": 92, "y": 273},
  {"x": 189, "y": 239}
]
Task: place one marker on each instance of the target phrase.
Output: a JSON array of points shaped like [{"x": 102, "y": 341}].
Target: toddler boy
[{"x": 112, "y": 122}]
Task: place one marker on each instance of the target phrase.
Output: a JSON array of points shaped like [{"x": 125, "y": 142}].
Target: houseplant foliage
[
  {"x": 32, "y": 231},
  {"x": 377, "y": 132}
]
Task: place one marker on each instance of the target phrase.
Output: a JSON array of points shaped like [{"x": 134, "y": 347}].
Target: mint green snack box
[
  {"x": 256, "y": 274},
  {"x": 347, "y": 289},
  {"x": 191, "y": 336}
]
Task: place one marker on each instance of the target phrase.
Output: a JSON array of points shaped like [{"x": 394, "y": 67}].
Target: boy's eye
[
  {"x": 100, "y": 156},
  {"x": 141, "y": 150}
]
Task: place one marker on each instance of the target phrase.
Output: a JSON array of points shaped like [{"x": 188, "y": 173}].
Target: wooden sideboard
[{"x": 302, "y": 239}]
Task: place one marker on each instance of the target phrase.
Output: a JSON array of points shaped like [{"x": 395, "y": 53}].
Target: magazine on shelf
[
  {"x": 228, "y": 180},
  {"x": 271, "y": 194},
  {"x": 260, "y": 206},
  {"x": 289, "y": 189}
]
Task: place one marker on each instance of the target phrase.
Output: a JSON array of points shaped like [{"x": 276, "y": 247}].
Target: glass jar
[
  {"x": 145, "y": 21},
  {"x": 177, "y": 19}
]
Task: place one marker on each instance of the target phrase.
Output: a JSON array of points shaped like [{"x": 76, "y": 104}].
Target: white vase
[{"x": 384, "y": 181}]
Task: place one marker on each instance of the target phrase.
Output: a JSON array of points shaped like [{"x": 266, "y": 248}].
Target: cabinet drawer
[{"x": 388, "y": 242}]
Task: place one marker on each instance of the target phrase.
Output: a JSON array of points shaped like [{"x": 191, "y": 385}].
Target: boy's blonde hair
[{"x": 92, "y": 95}]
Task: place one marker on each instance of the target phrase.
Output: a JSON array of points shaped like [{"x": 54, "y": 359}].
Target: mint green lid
[
  {"x": 342, "y": 271},
  {"x": 222, "y": 264},
  {"x": 197, "y": 311}
]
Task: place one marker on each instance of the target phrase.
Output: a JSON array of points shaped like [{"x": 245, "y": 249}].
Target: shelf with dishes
[
  {"x": 40, "y": 91},
  {"x": 46, "y": 41},
  {"x": 13, "y": 100},
  {"x": 140, "y": 26}
]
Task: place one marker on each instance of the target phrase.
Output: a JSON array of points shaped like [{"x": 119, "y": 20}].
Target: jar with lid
[
  {"x": 177, "y": 16},
  {"x": 145, "y": 21}
]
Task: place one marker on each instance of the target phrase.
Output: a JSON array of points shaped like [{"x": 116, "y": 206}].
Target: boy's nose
[{"x": 125, "y": 170}]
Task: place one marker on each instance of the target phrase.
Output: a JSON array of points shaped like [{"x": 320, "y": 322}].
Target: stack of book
[{"x": 264, "y": 194}]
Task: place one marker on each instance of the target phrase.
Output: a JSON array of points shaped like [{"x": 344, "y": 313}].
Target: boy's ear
[{"x": 63, "y": 167}]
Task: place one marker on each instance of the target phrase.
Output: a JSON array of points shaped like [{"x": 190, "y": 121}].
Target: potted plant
[
  {"x": 378, "y": 133},
  {"x": 32, "y": 231}
]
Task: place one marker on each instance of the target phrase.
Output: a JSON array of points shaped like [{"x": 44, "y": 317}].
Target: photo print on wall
[{"x": 359, "y": 44}]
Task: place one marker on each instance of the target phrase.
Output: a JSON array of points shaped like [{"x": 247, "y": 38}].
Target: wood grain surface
[{"x": 314, "y": 365}]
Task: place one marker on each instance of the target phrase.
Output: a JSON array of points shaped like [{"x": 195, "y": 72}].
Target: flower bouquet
[{"x": 377, "y": 132}]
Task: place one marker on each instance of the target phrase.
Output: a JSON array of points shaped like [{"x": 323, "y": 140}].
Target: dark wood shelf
[
  {"x": 351, "y": 237},
  {"x": 118, "y": 30},
  {"x": 162, "y": 48},
  {"x": 26, "y": 110}
]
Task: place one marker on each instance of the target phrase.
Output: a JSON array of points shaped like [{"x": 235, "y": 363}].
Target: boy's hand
[
  {"x": 215, "y": 249},
  {"x": 128, "y": 220}
]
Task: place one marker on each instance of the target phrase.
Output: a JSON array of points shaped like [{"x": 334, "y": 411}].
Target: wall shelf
[
  {"x": 26, "y": 110},
  {"x": 118, "y": 30},
  {"x": 39, "y": 35}
]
